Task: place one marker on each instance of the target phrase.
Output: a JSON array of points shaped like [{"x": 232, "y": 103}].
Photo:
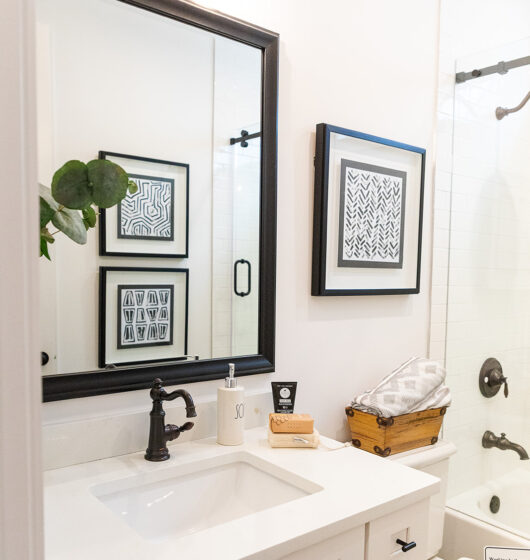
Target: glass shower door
[
  {"x": 245, "y": 242},
  {"x": 489, "y": 291}
]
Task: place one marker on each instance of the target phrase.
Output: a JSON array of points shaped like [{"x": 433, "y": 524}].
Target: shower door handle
[{"x": 249, "y": 270}]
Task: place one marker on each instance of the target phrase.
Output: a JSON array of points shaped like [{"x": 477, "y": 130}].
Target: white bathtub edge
[{"x": 467, "y": 536}]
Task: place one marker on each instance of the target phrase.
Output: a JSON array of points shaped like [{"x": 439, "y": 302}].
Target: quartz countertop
[{"x": 357, "y": 487}]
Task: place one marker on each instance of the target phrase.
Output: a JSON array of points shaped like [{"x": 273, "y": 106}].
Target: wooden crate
[{"x": 387, "y": 436}]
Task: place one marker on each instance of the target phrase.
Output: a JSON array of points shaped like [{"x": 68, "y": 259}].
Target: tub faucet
[
  {"x": 159, "y": 432},
  {"x": 489, "y": 439}
]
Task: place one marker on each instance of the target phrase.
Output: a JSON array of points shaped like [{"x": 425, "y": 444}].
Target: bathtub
[{"x": 466, "y": 534}]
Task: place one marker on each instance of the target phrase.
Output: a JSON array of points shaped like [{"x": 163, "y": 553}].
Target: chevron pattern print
[
  {"x": 371, "y": 216},
  {"x": 148, "y": 213},
  {"x": 145, "y": 315}
]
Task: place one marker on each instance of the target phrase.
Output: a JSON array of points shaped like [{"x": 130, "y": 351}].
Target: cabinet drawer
[
  {"x": 408, "y": 524},
  {"x": 345, "y": 546}
]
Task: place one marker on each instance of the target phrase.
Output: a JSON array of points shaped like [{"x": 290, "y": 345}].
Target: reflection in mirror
[{"x": 162, "y": 99}]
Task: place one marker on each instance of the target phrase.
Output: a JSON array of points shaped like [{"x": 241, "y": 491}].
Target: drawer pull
[{"x": 406, "y": 546}]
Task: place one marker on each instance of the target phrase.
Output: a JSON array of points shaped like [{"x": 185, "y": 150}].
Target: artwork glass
[
  {"x": 143, "y": 315},
  {"x": 368, "y": 213},
  {"x": 153, "y": 221}
]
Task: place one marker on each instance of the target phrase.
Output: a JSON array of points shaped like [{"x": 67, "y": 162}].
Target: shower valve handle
[
  {"x": 491, "y": 378},
  {"x": 496, "y": 378}
]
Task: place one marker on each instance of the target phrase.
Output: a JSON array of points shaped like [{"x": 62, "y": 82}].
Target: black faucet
[
  {"x": 489, "y": 439},
  {"x": 160, "y": 433}
]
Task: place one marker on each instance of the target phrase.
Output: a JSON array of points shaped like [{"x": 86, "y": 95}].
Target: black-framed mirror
[{"x": 110, "y": 322}]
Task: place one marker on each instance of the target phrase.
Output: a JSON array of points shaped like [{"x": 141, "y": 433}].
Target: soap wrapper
[
  {"x": 294, "y": 440},
  {"x": 291, "y": 423}
]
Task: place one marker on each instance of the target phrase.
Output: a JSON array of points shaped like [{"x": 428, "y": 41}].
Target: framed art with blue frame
[{"x": 368, "y": 213}]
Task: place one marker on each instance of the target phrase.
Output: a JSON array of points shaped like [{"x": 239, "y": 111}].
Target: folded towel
[{"x": 418, "y": 384}]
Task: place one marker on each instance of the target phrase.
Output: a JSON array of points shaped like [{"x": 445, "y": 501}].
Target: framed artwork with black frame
[
  {"x": 152, "y": 222},
  {"x": 143, "y": 315},
  {"x": 368, "y": 213}
]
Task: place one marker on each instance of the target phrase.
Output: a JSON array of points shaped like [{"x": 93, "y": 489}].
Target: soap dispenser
[{"x": 230, "y": 411}]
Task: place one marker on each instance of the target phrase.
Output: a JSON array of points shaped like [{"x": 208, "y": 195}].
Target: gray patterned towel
[{"x": 418, "y": 384}]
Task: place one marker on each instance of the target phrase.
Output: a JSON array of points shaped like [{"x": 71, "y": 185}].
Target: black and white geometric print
[
  {"x": 148, "y": 213},
  {"x": 145, "y": 315},
  {"x": 372, "y": 216}
]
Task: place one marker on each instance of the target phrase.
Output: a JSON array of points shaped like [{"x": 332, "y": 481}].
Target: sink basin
[{"x": 190, "y": 498}]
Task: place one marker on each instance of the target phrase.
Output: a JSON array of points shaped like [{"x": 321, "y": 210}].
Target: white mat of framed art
[
  {"x": 114, "y": 278},
  {"x": 158, "y": 221},
  {"x": 392, "y": 229}
]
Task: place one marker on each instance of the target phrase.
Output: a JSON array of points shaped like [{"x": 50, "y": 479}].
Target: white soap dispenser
[{"x": 230, "y": 411}]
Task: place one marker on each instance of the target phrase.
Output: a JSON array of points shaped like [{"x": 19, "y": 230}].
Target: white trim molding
[{"x": 21, "y": 533}]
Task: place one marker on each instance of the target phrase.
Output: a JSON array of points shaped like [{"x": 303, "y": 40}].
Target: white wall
[
  {"x": 21, "y": 529},
  {"x": 366, "y": 65},
  {"x": 481, "y": 264}
]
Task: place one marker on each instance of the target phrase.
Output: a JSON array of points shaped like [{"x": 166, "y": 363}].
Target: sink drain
[{"x": 495, "y": 504}]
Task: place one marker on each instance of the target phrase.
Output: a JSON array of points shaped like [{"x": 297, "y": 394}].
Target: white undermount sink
[{"x": 196, "y": 496}]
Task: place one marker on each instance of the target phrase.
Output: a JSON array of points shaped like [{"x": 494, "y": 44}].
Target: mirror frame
[{"x": 101, "y": 382}]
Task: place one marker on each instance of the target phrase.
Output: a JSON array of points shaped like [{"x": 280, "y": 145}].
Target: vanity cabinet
[
  {"x": 248, "y": 502},
  {"x": 344, "y": 546},
  {"x": 376, "y": 540},
  {"x": 408, "y": 524}
]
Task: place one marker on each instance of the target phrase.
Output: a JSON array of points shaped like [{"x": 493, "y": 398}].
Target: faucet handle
[{"x": 505, "y": 381}]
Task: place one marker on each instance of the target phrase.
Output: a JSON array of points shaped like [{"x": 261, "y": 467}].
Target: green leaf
[
  {"x": 108, "y": 182},
  {"x": 46, "y": 212},
  {"x": 44, "y": 248},
  {"x": 70, "y": 185},
  {"x": 133, "y": 187},
  {"x": 71, "y": 224},
  {"x": 46, "y": 194},
  {"x": 89, "y": 217}
]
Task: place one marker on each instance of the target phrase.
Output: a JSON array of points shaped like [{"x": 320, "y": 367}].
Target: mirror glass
[{"x": 174, "y": 270}]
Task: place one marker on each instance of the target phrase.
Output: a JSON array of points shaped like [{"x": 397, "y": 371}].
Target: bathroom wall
[
  {"x": 21, "y": 518},
  {"x": 364, "y": 65},
  {"x": 481, "y": 232}
]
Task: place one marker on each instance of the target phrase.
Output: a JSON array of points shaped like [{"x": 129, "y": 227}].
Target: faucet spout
[
  {"x": 190, "y": 405},
  {"x": 523, "y": 455},
  {"x": 158, "y": 394},
  {"x": 489, "y": 439},
  {"x": 159, "y": 432}
]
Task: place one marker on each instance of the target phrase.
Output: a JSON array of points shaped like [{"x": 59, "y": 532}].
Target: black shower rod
[{"x": 244, "y": 137}]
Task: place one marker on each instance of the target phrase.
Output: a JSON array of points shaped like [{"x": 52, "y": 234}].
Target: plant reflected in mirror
[{"x": 76, "y": 187}]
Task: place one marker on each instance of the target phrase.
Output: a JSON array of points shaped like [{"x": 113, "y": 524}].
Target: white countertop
[{"x": 357, "y": 487}]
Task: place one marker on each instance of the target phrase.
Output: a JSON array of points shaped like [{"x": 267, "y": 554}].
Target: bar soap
[{"x": 291, "y": 423}]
